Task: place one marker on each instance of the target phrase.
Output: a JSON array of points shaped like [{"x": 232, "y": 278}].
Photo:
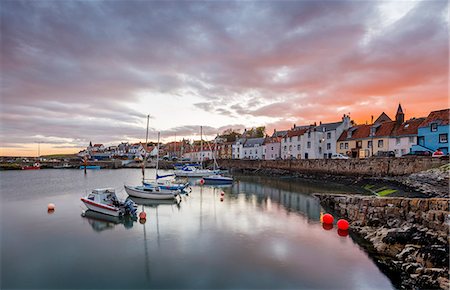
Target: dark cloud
[{"x": 73, "y": 70}]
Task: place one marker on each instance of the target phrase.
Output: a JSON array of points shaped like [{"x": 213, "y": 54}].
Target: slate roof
[
  {"x": 280, "y": 133},
  {"x": 358, "y": 132},
  {"x": 251, "y": 142},
  {"x": 440, "y": 117},
  {"x": 328, "y": 126}
]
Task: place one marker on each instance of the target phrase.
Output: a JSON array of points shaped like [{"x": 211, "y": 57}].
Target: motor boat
[
  {"x": 154, "y": 192},
  {"x": 190, "y": 171},
  {"x": 217, "y": 179},
  {"x": 105, "y": 201},
  {"x": 35, "y": 166}
]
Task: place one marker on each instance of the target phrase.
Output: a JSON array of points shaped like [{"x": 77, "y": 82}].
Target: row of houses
[
  {"x": 384, "y": 137},
  {"x": 124, "y": 150}
]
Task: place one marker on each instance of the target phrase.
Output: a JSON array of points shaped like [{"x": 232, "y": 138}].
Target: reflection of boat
[
  {"x": 35, "y": 166},
  {"x": 217, "y": 179},
  {"x": 105, "y": 201},
  {"x": 101, "y": 222},
  {"x": 64, "y": 166},
  {"x": 150, "y": 192},
  {"x": 153, "y": 202},
  {"x": 91, "y": 167}
]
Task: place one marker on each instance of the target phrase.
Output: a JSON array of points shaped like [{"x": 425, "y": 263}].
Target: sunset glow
[{"x": 75, "y": 72}]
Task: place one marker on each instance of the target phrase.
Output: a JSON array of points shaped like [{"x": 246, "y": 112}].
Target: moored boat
[
  {"x": 150, "y": 192},
  {"x": 91, "y": 167},
  {"x": 105, "y": 201},
  {"x": 217, "y": 179},
  {"x": 35, "y": 166}
]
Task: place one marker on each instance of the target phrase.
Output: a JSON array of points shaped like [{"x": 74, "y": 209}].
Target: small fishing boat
[
  {"x": 150, "y": 192},
  {"x": 105, "y": 201},
  {"x": 35, "y": 166},
  {"x": 91, "y": 167},
  {"x": 217, "y": 179}
]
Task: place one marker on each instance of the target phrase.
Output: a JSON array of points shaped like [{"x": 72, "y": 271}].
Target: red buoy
[
  {"x": 222, "y": 193},
  {"x": 327, "y": 227},
  {"x": 142, "y": 221},
  {"x": 202, "y": 181},
  {"x": 221, "y": 199},
  {"x": 342, "y": 224},
  {"x": 327, "y": 218},
  {"x": 142, "y": 215}
]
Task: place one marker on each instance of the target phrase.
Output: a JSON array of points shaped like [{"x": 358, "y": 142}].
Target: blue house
[{"x": 433, "y": 132}]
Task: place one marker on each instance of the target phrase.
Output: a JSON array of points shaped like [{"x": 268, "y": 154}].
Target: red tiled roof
[
  {"x": 358, "y": 132},
  {"x": 440, "y": 117},
  {"x": 409, "y": 127},
  {"x": 297, "y": 132},
  {"x": 385, "y": 129}
]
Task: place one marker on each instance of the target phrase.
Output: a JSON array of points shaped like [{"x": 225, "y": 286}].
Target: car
[
  {"x": 339, "y": 156},
  {"x": 385, "y": 154}
]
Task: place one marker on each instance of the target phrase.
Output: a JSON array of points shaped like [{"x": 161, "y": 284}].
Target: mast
[
  {"x": 157, "y": 156},
  {"x": 201, "y": 147},
  {"x": 145, "y": 148}
]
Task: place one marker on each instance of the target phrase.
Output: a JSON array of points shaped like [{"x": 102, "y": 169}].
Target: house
[
  {"x": 224, "y": 150},
  {"x": 252, "y": 148},
  {"x": 237, "y": 148},
  {"x": 272, "y": 148},
  {"x": 384, "y": 135},
  {"x": 136, "y": 151},
  {"x": 320, "y": 141},
  {"x": 291, "y": 143},
  {"x": 433, "y": 132},
  {"x": 96, "y": 148}
]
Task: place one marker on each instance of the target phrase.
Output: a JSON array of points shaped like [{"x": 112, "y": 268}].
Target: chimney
[{"x": 320, "y": 123}]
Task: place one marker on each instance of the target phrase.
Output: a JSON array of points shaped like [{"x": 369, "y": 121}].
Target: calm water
[{"x": 265, "y": 234}]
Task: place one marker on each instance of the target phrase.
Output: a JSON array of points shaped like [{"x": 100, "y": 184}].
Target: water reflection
[
  {"x": 101, "y": 222},
  {"x": 293, "y": 201}
]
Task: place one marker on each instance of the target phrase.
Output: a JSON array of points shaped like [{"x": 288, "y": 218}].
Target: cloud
[{"x": 76, "y": 70}]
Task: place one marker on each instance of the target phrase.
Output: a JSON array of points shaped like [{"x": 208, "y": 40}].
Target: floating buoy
[
  {"x": 142, "y": 215},
  {"x": 221, "y": 199},
  {"x": 222, "y": 193},
  {"x": 342, "y": 224},
  {"x": 327, "y": 227},
  {"x": 51, "y": 206},
  {"x": 342, "y": 233},
  {"x": 327, "y": 218},
  {"x": 202, "y": 181}
]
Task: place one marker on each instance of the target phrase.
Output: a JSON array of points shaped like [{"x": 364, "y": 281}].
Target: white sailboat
[
  {"x": 155, "y": 192},
  {"x": 191, "y": 171}
]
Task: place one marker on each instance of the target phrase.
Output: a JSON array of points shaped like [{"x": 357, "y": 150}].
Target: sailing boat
[
  {"x": 167, "y": 185},
  {"x": 217, "y": 178},
  {"x": 191, "y": 171},
  {"x": 143, "y": 191}
]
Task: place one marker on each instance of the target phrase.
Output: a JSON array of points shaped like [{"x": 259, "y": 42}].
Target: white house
[
  {"x": 253, "y": 148},
  {"x": 136, "y": 150},
  {"x": 237, "y": 148},
  {"x": 291, "y": 143}
]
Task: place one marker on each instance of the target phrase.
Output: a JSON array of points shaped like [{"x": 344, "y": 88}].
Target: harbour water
[{"x": 266, "y": 234}]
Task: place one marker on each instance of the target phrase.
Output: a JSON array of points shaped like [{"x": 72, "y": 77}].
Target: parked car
[
  {"x": 438, "y": 153},
  {"x": 339, "y": 156},
  {"x": 385, "y": 154}
]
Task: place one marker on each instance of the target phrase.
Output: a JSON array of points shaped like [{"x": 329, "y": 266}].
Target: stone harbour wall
[
  {"x": 407, "y": 237},
  {"x": 355, "y": 167}
]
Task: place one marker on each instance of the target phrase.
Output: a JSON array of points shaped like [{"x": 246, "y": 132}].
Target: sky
[{"x": 79, "y": 71}]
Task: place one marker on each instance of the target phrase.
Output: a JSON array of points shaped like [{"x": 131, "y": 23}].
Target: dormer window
[{"x": 433, "y": 127}]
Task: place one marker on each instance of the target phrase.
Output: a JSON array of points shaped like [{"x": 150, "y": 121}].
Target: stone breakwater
[
  {"x": 373, "y": 167},
  {"x": 407, "y": 237}
]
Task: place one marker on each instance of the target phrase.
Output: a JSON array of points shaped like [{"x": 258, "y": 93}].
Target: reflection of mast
[
  {"x": 201, "y": 207},
  {"x": 157, "y": 226},
  {"x": 147, "y": 266}
]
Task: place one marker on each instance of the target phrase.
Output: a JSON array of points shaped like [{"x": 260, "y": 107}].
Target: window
[
  {"x": 358, "y": 144},
  {"x": 308, "y": 145},
  {"x": 421, "y": 140},
  {"x": 320, "y": 150},
  {"x": 328, "y": 146},
  {"x": 341, "y": 146},
  {"x": 290, "y": 147},
  {"x": 443, "y": 138},
  {"x": 290, "y": 139},
  {"x": 309, "y": 134},
  {"x": 369, "y": 144},
  {"x": 329, "y": 135},
  {"x": 272, "y": 147},
  {"x": 285, "y": 147},
  {"x": 346, "y": 145},
  {"x": 298, "y": 147},
  {"x": 397, "y": 141},
  {"x": 298, "y": 138},
  {"x": 380, "y": 143},
  {"x": 411, "y": 139},
  {"x": 433, "y": 127}
]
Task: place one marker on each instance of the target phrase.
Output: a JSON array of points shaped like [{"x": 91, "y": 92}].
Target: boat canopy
[{"x": 103, "y": 190}]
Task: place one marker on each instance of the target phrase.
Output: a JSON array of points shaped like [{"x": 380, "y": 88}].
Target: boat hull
[
  {"x": 194, "y": 173},
  {"x": 150, "y": 195},
  {"x": 31, "y": 168},
  {"x": 217, "y": 180},
  {"x": 104, "y": 209}
]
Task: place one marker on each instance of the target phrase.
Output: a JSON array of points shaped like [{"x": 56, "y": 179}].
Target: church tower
[{"x": 400, "y": 116}]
